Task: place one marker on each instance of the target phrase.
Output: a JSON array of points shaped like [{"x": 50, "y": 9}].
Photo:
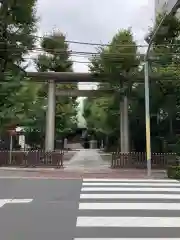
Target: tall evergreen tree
[
  {"x": 56, "y": 57},
  {"x": 17, "y": 28},
  {"x": 110, "y": 64}
]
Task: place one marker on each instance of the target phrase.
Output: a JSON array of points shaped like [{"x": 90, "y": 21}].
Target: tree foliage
[
  {"x": 56, "y": 57},
  {"x": 117, "y": 61},
  {"x": 164, "y": 93},
  {"x": 114, "y": 64},
  {"x": 18, "y": 24}
]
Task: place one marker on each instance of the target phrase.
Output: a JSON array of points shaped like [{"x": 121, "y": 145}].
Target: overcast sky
[{"x": 94, "y": 20}]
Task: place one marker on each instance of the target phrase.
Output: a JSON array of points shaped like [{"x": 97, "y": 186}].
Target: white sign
[{"x": 5, "y": 201}]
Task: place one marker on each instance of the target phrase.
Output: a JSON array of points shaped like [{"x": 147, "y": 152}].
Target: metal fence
[
  {"x": 32, "y": 158},
  {"x": 138, "y": 160},
  {"x": 40, "y": 158}
]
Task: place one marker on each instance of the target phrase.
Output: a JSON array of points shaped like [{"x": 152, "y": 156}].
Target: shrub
[{"x": 173, "y": 172}]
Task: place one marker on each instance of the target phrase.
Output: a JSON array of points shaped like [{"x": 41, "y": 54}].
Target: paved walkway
[
  {"x": 128, "y": 209},
  {"x": 86, "y": 159},
  {"x": 88, "y": 173}
]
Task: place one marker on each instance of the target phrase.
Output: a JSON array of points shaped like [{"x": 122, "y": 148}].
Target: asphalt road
[
  {"x": 92, "y": 209},
  {"x": 50, "y": 216}
]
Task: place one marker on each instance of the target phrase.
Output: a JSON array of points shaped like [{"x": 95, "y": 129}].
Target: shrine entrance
[{"x": 52, "y": 78}]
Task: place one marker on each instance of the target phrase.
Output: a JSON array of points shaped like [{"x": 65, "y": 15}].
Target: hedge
[{"x": 173, "y": 172}]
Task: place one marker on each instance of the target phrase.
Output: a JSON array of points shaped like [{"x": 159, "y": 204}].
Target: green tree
[
  {"x": 169, "y": 62},
  {"x": 164, "y": 93},
  {"x": 56, "y": 57},
  {"x": 116, "y": 63},
  {"x": 18, "y": 24},
  {"x": 95, "y": 113}
]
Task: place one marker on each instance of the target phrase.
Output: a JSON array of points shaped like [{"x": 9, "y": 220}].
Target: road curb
[
  {"x": 65, "y": 170},
  {"x": 30, "y": 169}
]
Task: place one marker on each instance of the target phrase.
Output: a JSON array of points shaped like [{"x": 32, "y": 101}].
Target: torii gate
[{"x": 70, "y": 77}]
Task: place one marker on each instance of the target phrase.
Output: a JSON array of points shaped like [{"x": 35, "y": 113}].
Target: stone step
[{"x": 69, "y": 154}]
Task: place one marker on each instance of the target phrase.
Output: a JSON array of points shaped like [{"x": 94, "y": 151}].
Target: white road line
[
  {"x": 129, "y": 206},
  {"x": 118, "y": 189},
  {"x": 128, "y": 222},
  {"x": 4, "y": 201},
  {"x": 21, "y": 201},
  {"x": 130, "y": 196},
  {"x": 131, "y": 184},
  {"x": 127, "y": 180},
  {"x": 126, "y": 238}
]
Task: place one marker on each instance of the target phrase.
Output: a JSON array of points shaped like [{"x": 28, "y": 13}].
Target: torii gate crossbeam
[{"x": 69, "y": 77}]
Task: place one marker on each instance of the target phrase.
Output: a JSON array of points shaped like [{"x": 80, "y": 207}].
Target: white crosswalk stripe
[{"x": 118, "y": 209}]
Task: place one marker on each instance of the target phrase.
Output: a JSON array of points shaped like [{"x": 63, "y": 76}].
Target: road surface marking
[
  {"x": 21, "y": 201},
  {"x": 4, "y": 201},
  {"x": 126, "y": 238},
  {"x": 96, "y": 200},
  {"x": 135, "y": 189},
  {"x": 130, "y": 184},
  {"x": 130, "y": 196},
  {"x": 129, "y": 206},
  {"x": 128, "y": 222},
  {"x": 128, "y": 180}
]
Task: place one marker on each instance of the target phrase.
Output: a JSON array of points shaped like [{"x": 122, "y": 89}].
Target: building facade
[
  {"x": 164, "y": 5},
  {"x": 159, "y": 6}
]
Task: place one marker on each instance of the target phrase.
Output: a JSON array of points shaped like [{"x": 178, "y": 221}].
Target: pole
[
  {"x": 146, "y": 86},
  {"x": 121, "y": 107},
  {"x": 147, "y": 118},
  {"x": 10, "y": 149},
  {"x": 146, "y": 83},
  {"x": 50, "y": 118},
  {"x": 126, "y": 124}
]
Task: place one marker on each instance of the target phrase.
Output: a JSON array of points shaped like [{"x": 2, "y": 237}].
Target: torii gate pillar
[{"x": 50, "y": 117}]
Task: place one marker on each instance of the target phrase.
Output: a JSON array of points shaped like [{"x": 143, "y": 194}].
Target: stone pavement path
[
  {"x": 118, "y": 209},
  {"x": 87, "y": 160}
]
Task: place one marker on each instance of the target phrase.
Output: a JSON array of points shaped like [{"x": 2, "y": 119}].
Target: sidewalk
[{"x": 81, "y": 173}]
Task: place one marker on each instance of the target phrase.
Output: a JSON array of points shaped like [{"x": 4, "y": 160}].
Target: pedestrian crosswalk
[{"x": 118, "y": 209}]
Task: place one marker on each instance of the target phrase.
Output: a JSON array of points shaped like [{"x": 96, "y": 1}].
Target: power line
[
  {"x": 115, "y": 60},
  {"x": 40, "y": 51},
  {"x": 73, "y": 61},
  {"x": 104, "y": 44}
]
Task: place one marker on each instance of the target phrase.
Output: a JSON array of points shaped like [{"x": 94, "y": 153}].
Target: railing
[
  {"x": 41, "y": 158},
  {"x": 32, "y": 158},
  {"x": 138, "y": 160}
]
